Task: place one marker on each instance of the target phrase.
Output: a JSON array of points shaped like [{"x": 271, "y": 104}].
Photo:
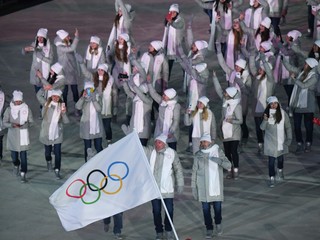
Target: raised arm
[{"x": 217, "y": 85}]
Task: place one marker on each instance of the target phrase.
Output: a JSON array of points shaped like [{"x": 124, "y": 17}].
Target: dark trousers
[
  {"x": 107, "y": 127},
  {"x": 288, "y": 88},
  {"x": 275, "y": 22},
  {"x": 259, "y": 132},
  {"x": 271, "y": 164},
  {"x": 144, "y": 141},
  {"x": 173, "y": 145},
  {"x": 231, "y": 152},
  {"x": 244, "y": 128},
  {"x": 310, "y": 20},
  {"x": 117, "y": 222},
  {"x": 157, "y": 219},
  {"x": 75, "y": 93},
  {"x": 206, "y": 209},
  {"x": 170, "y": 63},
  {"x": 87, "y": 144},
  {"x": 23, "y": 157},
  {"x": 209, "y": 13},
  {"x": 57, "y": 154},
  {"x": 308, "y": 124},
  {"x": 1, "y": 146},
  {"x": 190, "y": 133}
]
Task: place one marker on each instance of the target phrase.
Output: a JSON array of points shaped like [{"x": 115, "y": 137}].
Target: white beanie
[
  {"x": 272, "y": 99},
  {"x": 317, "y": 43},
  {"x": 170, "y": 93},
  {"x": 62, "y": 34},
  {"x": 56, "y": 68},
  {"x": 232, "y": 91},
  {"x": 56, "y": 93},
  {"x": 204, "y": 100},
  {"x": 17, "y": 95},
  {"x": 162, "y": 138},
  {"x": 200, "y": 67},
  {"x": 206, "y": 137},
  {"x": 174, "y": 8},
  {"x": 88, "y": 84},
  {"x": 312, "y": 62},
  {"x": 95, "y": 39},
  {"x": 103, "y": 66},
  {"x": 157, "y": 45},
  {"x": 124, "y": 36},
  {"x": 294, "y": 34},
  {"x": 266, "y": 45},
  {"x": 201, "y": 44},
  {"x": 241, "y": 63},
  {"x": 42, "y": 32},
  {"x": 266, "y": 22}
]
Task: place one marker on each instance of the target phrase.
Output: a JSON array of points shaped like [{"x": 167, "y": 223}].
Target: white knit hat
[
  {"x": 317, "y": 43},
  {"x": 174, "y": 8},
  {"x": 206, "y": 137},
  {"x": 272, "y": 99},
  {"x": 241, "y": 63},
  {"x": 56, "y": 93},
  {"x": 42, "y": 32},
  {"x": 17, "y": 95},
  {"x": 266, "y": 45},
  {"x": 312, "y": 62},
  {"x": 157, "y": 45},
  {"x": 170, "y": 93},
  {"x": 162, "y": 138},
  {"x": 232, "y": 91},
  {"x": 204, "y": 100},
  {"x": 88, "y": 84},
  {"x": 124, "y": 36},
  {"x": 62, "y": 34},
  {"x": 95, "y": 39},
  {"x": 266, "y": 22},
  {"x": 200, "y": 67},
  {"x": 294, "y": 34},
  {"x": 57, "y": 68},
  {"x": 200, "y": 44},
  {"x": 103, "y": 66}
]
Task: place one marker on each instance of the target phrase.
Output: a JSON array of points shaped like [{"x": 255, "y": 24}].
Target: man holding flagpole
[{"x": 167, "y": 171}]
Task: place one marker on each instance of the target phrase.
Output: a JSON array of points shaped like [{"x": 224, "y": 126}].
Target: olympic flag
[{"x": 115, "y": 180}]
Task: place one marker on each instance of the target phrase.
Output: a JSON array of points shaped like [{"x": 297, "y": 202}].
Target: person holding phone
[{"x": 277, "y": 137}]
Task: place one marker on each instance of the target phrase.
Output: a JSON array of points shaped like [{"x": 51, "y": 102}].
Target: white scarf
[
  {"x": 93, "y": 57},
  {"x": 168, "y": 116},
  {"x": 252, "y": 17},
  {"x": 280, "y": 128},
  {"x": 94, "y": 120},
  {"x": 138, "y": 120},
  {"x": 106, "y": 97},
  {"x": 115, "y": 32},
  {"x": 158, "y": 60},
  {"x": 227, "y": 128},
  {"x": 302, "y": 101},
  {"x": 193, "y": 94},
  {"x": 170, "y": 38},
  {"x": 244, "y": 78},
  {"x": 230, "y": 50},
  {"x": 54, "y": 128},
  {"x": 166, "y": 185},
  {"x": 262, "y": 95},
  {"x": 45, "y": 67},
  {"x": 206, "y": 125},
  {"x": 21, "y": 111},
  {"x": 214, "y": 179}
]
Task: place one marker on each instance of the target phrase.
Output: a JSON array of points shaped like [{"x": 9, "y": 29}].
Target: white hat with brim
[
  {"x": 170, "y": 93},
  {"x": 241, "y": 63},
  {"x": 317, "y": 43},
  {"x": 266, "y": 22},
  {"x": 295, "y": 34},
  {"x": 231, "y": 91},
  {"x": 204, "y": 100},
  {"x": 62, "y": 34},
  {"x": 57, "y": 68},
  {"x": 200, "y": 44},
  {"x": 103, "y": 67},
  {"x": 157, "y": 45},
  {"x": 266, "y": 45},
  {"x": 312, "y": 62}
]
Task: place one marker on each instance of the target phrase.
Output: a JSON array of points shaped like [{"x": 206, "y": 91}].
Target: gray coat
[
  {"x": 174, "y": 128},
  {"x": 47, "y": 115},
  {"x": 200, "y": 175},
  {"x": 271, "y": 137},
  {"x": 13, "y": 136},
  {"x": 84, "y": 105},
  {"x": 176, "y": 172},
  {"x": 66, "y": 57}
]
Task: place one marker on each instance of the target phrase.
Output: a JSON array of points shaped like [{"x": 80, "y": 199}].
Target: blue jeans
[
  {"x": 117, "y": 222},
  {"x": 107, "y": 127},
  {"x": 272, "y": 160},
  {"x": 57, "y": 154},
  {"x": 97, "y": 145},
  {"x": 207, "y": 213},
  {"x": 23, "y": 158},
  {"x": 157, "y": 219},
  {"x": 297, "y": 119},
  {"x": 75, "y": 93}
]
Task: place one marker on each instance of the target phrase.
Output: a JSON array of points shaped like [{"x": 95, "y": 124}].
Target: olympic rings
[
  {"x": 103, "y": 184},
  {"x": 106, "y": 178},
  {"x": 118, "y": 163}
]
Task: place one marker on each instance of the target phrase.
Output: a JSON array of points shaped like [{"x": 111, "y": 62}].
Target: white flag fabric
[{"x": 115, "y": 180}]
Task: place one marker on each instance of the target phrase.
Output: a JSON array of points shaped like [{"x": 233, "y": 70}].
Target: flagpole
[{"x": 156, "y": 185}]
